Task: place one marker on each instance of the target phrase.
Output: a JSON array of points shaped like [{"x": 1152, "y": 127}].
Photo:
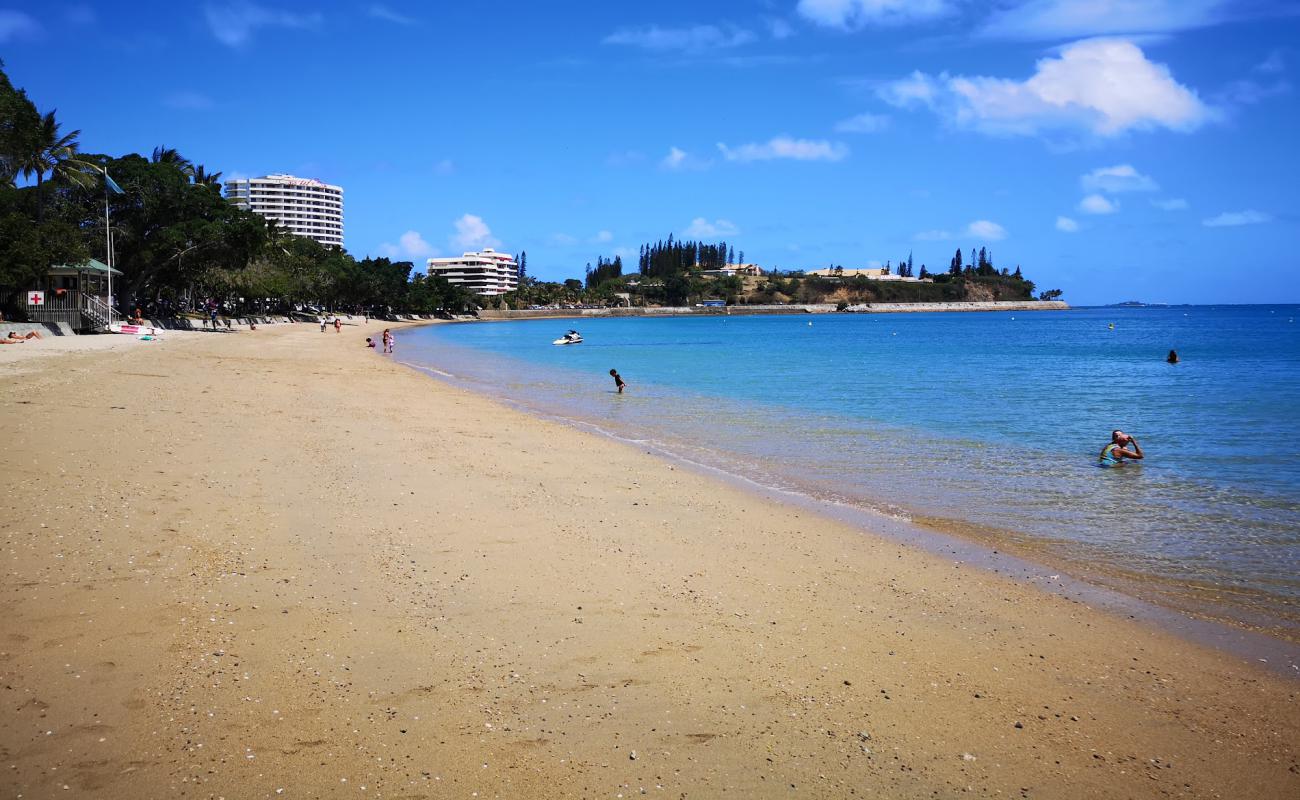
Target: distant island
[{"x": 681, "y": 273}]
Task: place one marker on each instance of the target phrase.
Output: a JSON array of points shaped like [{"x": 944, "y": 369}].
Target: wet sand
[{"x": 276, "y": 564}]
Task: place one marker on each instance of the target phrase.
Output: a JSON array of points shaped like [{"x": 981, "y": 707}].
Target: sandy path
[{"x": 275, "y": 561}]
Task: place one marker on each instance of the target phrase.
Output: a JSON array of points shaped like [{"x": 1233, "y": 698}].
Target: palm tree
[
  {"x": 170, "y": 155},
  {"x": 202, "y": 177},
  {"x": 53, "y": 153}
]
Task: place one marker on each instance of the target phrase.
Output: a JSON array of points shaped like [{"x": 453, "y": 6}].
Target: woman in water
[{"x": 1113, "y": 454}]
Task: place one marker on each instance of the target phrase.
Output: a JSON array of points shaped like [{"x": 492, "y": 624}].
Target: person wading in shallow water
[
  {"x": 618, "y": 380},
  {"x": 1121, "y": 446}
]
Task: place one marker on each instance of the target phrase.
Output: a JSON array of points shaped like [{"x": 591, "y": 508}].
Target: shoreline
[
  {"x": 1238, "y": 631},
  {"x": 965, "y": 306},
  {"x": 316, "y": 571}
]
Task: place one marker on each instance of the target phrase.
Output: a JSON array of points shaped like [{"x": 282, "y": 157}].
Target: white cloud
[
  {"x": 701, "y": 228},
  {"x": 1170, "y": 204},
  {"x": 1104, "y": 86},
  {"x": 1231, "y": 219},
  {"x": 410, "y": 245},
  {"x": 694, "y": 39},
  {"x": 784, "y": 147},
  {"x": 987, "y": 231},
  {"x": 188, "y": 101},
  {"x": 380, "y": 11},
  {"x": 602, "y": 237},
  {"x": 1096, "y": 204},
  {"x": 857, "y": 14},
  {"x": 1066, "y": 225},
  {"x": 1072, "y": 19},
  {"x": 16, "y": 25},
  {"x": 1119, "y": 178},
  {"x": 472, "y": 233},
  {"x": 676, "y": 158},
  {"x": 863, "y": 123},
  {"x": 233, "y": 24}
]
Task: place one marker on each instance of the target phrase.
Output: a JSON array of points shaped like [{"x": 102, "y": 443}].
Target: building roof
[{"x": 93, "y": 265}]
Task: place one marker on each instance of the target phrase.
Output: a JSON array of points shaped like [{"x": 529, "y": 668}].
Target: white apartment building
[
  {"x": 302, "y": 206},
  {"x": 486, "y": 273}
]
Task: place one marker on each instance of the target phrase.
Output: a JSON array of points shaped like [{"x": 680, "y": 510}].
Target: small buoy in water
[
  {"x": 809, "y": 324},
  {"x": 1013, "y": 319}
]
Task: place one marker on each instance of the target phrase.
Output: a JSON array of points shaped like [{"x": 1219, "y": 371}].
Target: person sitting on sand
[
  {"x": 618, "y": 380},
  {"x": 1113, "y": 454},
  {"x": 137, "y": 318},
  {"x": 370, "y": 342},
  {"x": 25, "y": 336}
]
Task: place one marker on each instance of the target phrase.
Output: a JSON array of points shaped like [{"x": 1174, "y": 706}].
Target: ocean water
[{"x": 985, "y": 425}]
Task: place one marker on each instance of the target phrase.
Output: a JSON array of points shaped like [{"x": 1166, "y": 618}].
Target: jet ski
[{"x": 572, "y": 337}]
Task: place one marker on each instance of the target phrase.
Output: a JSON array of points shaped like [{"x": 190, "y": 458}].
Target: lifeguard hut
[{"x": 75, "y": 295}]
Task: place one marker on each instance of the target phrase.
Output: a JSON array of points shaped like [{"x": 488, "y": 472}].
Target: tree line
[{"x": 175, "y": 238}]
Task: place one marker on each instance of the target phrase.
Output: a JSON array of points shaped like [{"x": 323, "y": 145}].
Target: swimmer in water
[
  {"x": 1172, "y": 358},
  {"x": 618, "y": 380},
  {"x": 1121, "y": 446}
]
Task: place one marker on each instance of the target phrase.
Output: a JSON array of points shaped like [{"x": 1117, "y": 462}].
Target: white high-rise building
[
  {"x": 303, "y": 206},
  {"x": 486, "y": 273}
]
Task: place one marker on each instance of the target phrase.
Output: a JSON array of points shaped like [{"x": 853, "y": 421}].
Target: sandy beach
[{"x": 277, "y": 564}]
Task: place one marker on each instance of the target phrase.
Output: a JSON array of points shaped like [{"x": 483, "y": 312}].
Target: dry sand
[{"x": 276, "y": 564}]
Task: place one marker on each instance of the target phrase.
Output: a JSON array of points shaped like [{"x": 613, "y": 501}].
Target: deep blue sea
[{"x": 982, "y": 424}]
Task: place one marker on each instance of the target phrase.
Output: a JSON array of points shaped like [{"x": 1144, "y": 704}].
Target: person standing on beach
[
  {"x": 1113, "y": 454},
  {"x": 323, "y": 323},
  {"x": 388, "y": 341},
  {"x": 618, "y": 380},
  {"x": 338, "y": 324}
]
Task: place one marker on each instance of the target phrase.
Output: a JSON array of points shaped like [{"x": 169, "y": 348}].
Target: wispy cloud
[
  {"x": 981, "y": 229},
  {"x": 188, "y": 101},
  {"x": 1097, "y": 204},
  {"x": 694, "y": 39},
  {"x": 857, "y": 14},
  {"x": 472, "y": 233},
  {"x": 1075, "y": 89},
  {"x": 1066, "y": 225},
  {"x": 1171, "y": 204},
  {"x": 863, "y": 123},
  {"x": 679, "y": 160},
  {"x": 778, "y": 28},
  {"x": 701, "y": 228},
  {"x": 1232, "y": 219},
  {"x": 1119, "y": 178},
  {"x": 1073, "y": 19},
  {"x": 784, "y": 147},
  {"x": 409, "y": 245},
  {"x": 380, "y": 11},
  {"x": 15, "y": 25},
  {"x": 444, "y": 167},
  {"x": 1272, "y": 64},
  {"x": 80, "y": 14},
  {"x": 563, "y": 240},
  {"x": 233, "y": 24}
]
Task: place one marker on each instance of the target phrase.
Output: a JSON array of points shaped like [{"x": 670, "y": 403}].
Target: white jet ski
[{"x": 572, "y": 337}]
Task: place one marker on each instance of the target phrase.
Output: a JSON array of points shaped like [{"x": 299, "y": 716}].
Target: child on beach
[
  {"x": 370, "y": 342},
  {"x": 388, "y": 341},
  {"x": 618, "y": 380},
  {"x": 338, "y": 324}
]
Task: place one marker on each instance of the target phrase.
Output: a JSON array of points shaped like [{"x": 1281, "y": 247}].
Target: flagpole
[{"x": 108, "y": 251}]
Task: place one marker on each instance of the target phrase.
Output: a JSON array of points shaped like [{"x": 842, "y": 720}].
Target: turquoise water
[{"x": 986, "y": 423}]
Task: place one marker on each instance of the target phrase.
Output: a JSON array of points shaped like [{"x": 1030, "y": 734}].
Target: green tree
[{"x": 47, "y": 150}]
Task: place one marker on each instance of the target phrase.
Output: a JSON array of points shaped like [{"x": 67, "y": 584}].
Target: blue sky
[{"x": 1116, "y": 149}]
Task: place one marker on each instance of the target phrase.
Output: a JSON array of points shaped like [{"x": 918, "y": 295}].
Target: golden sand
[{"x": 276, "y": 564}]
